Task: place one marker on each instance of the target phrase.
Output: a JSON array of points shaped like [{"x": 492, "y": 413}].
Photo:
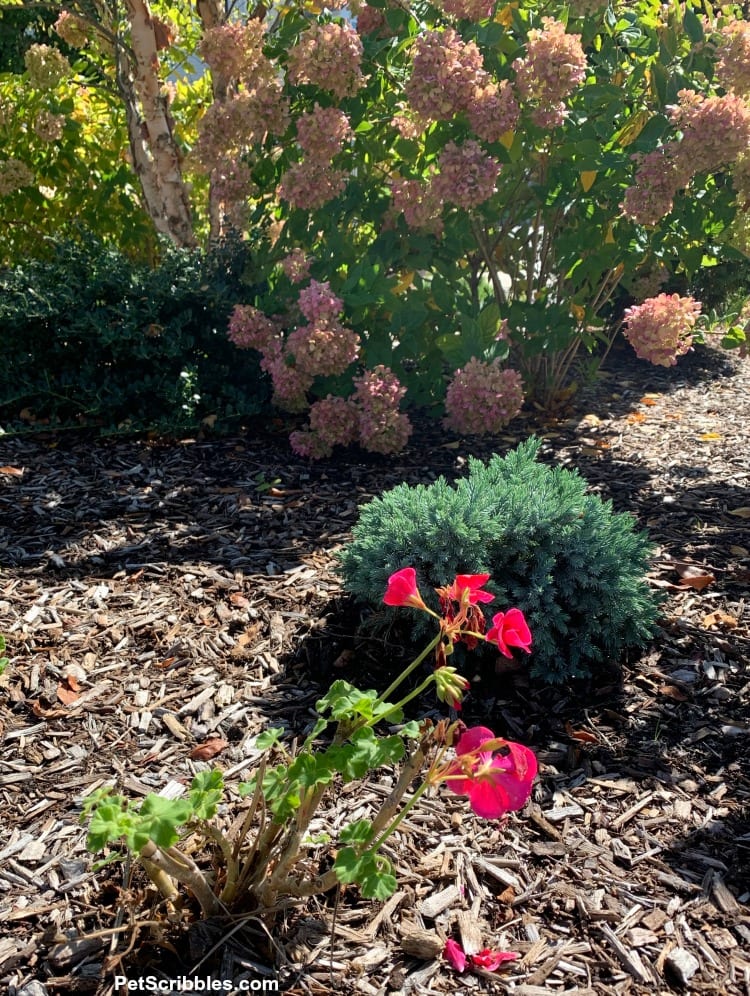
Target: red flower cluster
[{"x": 462, "y": 619}]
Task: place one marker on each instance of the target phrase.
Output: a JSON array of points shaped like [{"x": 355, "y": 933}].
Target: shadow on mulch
[
  {"x": 722, "y": 846},
  {"x": 162, "y": 483}
]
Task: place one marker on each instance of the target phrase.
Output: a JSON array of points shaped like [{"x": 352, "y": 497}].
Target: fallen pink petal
[
  {"x": 487, "y": 959},
  {"x": 455, "y": 956},
  {"x": 490, "y": 961}
]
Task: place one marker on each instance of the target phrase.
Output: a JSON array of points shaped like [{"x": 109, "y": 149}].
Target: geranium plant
[{"x": 268, "y": 855}]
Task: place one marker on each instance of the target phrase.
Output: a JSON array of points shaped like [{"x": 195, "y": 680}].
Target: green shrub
[
  {"x": 572, "y": 565},
  {"x": 91, "y": 337}
]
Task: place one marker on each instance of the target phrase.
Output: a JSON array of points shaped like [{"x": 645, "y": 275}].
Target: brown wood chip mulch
[{"x": 156, "y": 595}]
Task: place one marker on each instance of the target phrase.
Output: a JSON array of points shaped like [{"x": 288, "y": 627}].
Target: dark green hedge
[{"x": 91, "y": 337}]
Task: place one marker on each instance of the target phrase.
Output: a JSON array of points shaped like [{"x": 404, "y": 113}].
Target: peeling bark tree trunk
[{"x": 156, "y": 157}]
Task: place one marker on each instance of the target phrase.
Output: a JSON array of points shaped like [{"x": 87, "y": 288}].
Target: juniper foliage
[{"x": 574, "y": 566}]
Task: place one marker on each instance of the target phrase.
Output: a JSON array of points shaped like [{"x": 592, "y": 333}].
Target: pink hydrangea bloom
[
  {"x": 469, "y": 10},
  {"x": 310, "y": 184},
  {"x": 493, "y": 110},
  {"x": 370, "y": 20},
  {"x": 510, "y": 629},
  {"x": 408, "y": 124},
  {"x": 235, "y": 50},
  {"x": 445, "y": 72},
  {"x": 245, "y": 118},
  {"x": 296, "y": 266},
  {"x": 658, "y": 178},
  {"x": 715, "y": 130},
  {"x": 496, "y": 784},
  {"x": 332, "y": 423},
  {"x": 733, "y": 63},
  {"x": 317, "y": 302},
  {"x": 249, "y": 328},
  {"x": 382, "y": 428},
  {"x": 290, "y": 385},
  {"x": 419, "y": 203},
  {"x": 555, "y": 64},
  {"x": 328, "y": 56},
  {"x": 233, "y": 184},
  {"x": 467, "y": 175},
  {"x": 482, "y": 398},
  {"x": 322, "y": 132},
  {"x": 323, "y": 348},
  {"x": 660, "y": 329},
  {"x": 72, "y": 29}
]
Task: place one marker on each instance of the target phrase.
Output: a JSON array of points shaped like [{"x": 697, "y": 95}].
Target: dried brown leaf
[
  {"x": 719, "y": 618},
  {"x": 673, "y": 692},
  {"x": 208, "y": 749},
  {"x": 694, "y": 576},
  {"x": 582, "y": 736},
  {"x": 68, "y": 690},
  {"x": 47, "y": 712}
]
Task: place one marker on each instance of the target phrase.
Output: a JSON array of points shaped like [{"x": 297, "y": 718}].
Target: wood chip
[{"x": 681, "y": 965}]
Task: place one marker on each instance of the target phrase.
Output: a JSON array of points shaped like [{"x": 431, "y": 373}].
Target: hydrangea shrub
[
  {"x": 446, "y": 169},
  {"x": 573, "y": 566},
  {"x": 477, "y": 181}
]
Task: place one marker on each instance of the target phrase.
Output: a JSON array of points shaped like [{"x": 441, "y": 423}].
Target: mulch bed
[{"x": 158, "y": 594}]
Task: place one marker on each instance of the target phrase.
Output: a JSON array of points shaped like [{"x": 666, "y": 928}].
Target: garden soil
[{"x": 165, "y": 601}]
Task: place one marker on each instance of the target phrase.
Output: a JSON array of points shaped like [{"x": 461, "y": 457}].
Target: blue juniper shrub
[{"x": 564, "y": 557}]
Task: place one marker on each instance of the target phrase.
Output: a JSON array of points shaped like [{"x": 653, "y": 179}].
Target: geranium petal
[
  {"x": 488, "y": 800},
  {"x": 473, "y": 738},
  {"x": 455, "y": 955},
  {"x": 490, "y": 961},
  {"x": 511, "y": 790}
]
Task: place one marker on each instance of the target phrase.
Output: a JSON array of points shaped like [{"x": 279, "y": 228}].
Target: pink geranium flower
[
  {"x": 509, "y": 629},
  {"x": 496, "y": 784},
  {"x": 471, "y": 583},
  {"x": 402, "y": 589}
]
